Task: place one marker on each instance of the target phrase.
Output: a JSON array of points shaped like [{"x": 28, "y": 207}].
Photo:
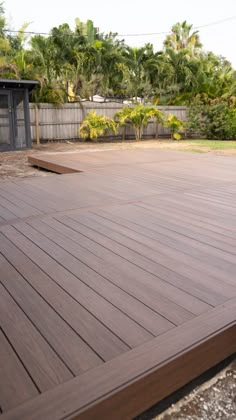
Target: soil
[{"x": 214, "y": 400}]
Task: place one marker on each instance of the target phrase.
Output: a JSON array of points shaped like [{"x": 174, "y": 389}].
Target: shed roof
[{"x": 14, "y": 83}]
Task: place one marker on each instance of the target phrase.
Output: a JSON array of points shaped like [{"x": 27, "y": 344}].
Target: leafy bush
[
  {"x": 95, "y": 125},
  {"x": 138, "y": 117},
  {"x": 176, "y": 126},
  {"x": 213, "y": 119}
]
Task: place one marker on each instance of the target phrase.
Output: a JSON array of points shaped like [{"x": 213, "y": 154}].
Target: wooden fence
[{"x": 50, "y": 122}]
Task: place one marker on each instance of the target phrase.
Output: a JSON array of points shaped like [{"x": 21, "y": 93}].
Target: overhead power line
[
  {"x": 194, "y": 28},
  {"x": 218, "y": 22}
]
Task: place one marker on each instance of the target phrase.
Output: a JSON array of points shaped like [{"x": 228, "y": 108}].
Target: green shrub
[
  {"x": 138, "y": 117},
  {"x": 213, "y": 119},
  {"x": 176, "y": 126},
  {"x": 95, "y": 125}
]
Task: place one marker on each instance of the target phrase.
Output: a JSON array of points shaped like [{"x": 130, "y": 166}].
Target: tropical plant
[
  {"x": 175, "y": 125},
  {"x": 137, "y": 82},
  {"x": 213, "y": 119},
  {"x": 74, "y": 64},
  {"x": 94, "y": 126},
  {"x": 182, "y": 38},
  {"x": 138, "y": 117}
]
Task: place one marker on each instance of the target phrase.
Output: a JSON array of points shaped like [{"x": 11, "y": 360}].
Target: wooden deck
[{"x": 117, "y": 281}]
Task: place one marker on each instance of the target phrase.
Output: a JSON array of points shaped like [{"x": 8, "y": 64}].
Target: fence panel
[{"x": 62, "y": 122}]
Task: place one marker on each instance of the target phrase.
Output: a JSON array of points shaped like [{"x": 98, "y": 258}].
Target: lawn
[{"x": 211, "y": 144}]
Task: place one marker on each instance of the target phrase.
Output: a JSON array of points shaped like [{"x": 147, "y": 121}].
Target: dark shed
[{"x": 14, "y": 114}]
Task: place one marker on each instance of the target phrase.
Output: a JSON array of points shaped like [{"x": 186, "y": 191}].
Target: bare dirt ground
[
  {"x": 217, "y": 398},
  {"x": 15, "y": 164}
]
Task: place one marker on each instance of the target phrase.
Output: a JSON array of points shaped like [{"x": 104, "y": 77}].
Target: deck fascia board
[{"x": 114, "y": 386}]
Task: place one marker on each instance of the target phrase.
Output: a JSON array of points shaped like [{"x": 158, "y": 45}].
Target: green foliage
[
  {"x": 213, "y": 119},
  {"x": 176, "y": 126},
  {"x": 138, "y": 117},
  {"x": 95, "y": 125},
  {"x": 79, "y": 63},
  {"x": 87, "y": 29},
  {"x": 181, "y": 38}
]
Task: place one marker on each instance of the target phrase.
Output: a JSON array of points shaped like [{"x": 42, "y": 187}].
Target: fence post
[
  {"x": 37, "y": 128},
  {"x": 123, "y": 133},
  {"x": 156, "y": 130}
]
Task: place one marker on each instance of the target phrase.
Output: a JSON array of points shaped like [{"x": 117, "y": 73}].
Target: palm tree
[
  {"x": 111, "y": 57},
  {"x": 181, "y": 38},
  {"x": 138, "y": 82},
  {"x": 182, "y": 50}
]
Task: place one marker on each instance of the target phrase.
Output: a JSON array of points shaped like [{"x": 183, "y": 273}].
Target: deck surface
[{"x": 117, "y": 281}]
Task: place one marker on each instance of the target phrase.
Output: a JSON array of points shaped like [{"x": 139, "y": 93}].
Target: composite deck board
[
  {"x": 114, "y": 280},
  {"x": 163, "y": 217},
  {"x": 157, "y": 242},
  {"x": 17, "y": 386},
  {"x": 151, "y": 262},
  {"x": 19, "y": 192},
  {"x": 99, "y": 307},
  {"x": 29, "y": 209},
  {"x": 59, "y": 271},
  {"x": 32, "y": 290},
  {"x": 104, "y": 285},
  {"x": 106, "y": 254},
  {"x": 214, "y": 200},
  {"x": 151, "y": 289},
  {"x": 164, "y": 223},
  {"x": 196, "y": 248},
  {"x": 132, "y": 269},
  {"x": 16, "y": 210},
  {"x": 101, "y": 391},
  {"x": 175, "y": 249},
  {"x": 196, "y": 207},
  {"x": 6, "y": 215},
  {"x": 167, "y": 291},
  {"x": 42, "y": 363},
  {"x": 209, "y": 230},
  {"x": 120, "y": 272},
  {"x": 100, "y": 338},
  {"x": 219, "y": 223},
  {"x": 189, "y": 233}
]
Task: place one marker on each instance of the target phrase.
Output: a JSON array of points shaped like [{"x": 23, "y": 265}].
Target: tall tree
[
  {"x": 73, "y": 64},
  {"x": 183, "y": 38}
]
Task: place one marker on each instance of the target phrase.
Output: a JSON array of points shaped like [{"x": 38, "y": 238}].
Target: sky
[{"x": 135, "y": 17}]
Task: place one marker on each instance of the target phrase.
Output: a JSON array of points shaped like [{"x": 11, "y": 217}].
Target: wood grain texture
[
  {"x": 117, "y": 284},
  {"x": 137, "y": 379},
  {"x": 32, "y": 293},
  {"x": 16, "y": 385},
  {"x": 42, "y": 363}
]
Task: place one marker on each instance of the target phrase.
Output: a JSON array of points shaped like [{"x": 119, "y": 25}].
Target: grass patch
[{"x": 211, "y": 144}]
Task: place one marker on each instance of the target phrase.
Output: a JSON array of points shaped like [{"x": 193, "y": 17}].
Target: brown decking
[{"x": 118, "y": 283}]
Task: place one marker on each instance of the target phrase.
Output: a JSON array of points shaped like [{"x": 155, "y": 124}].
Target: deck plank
[
  {"x": 99, "y": 307},
  {"x": 17, "y": 386},
  {"x": 211, "y": 256},
  {"x": 169, "y": 242},
  {"x": 107, "y": 284},
  {"x": 32, "y": 293},
  {"x": 114, "y": 280},
  {"x": 103, "y": 341},
  {"x": 41, "y": 361},
  {"x": 105, "y": 389},
  {"x": 157, "y": 243}
]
